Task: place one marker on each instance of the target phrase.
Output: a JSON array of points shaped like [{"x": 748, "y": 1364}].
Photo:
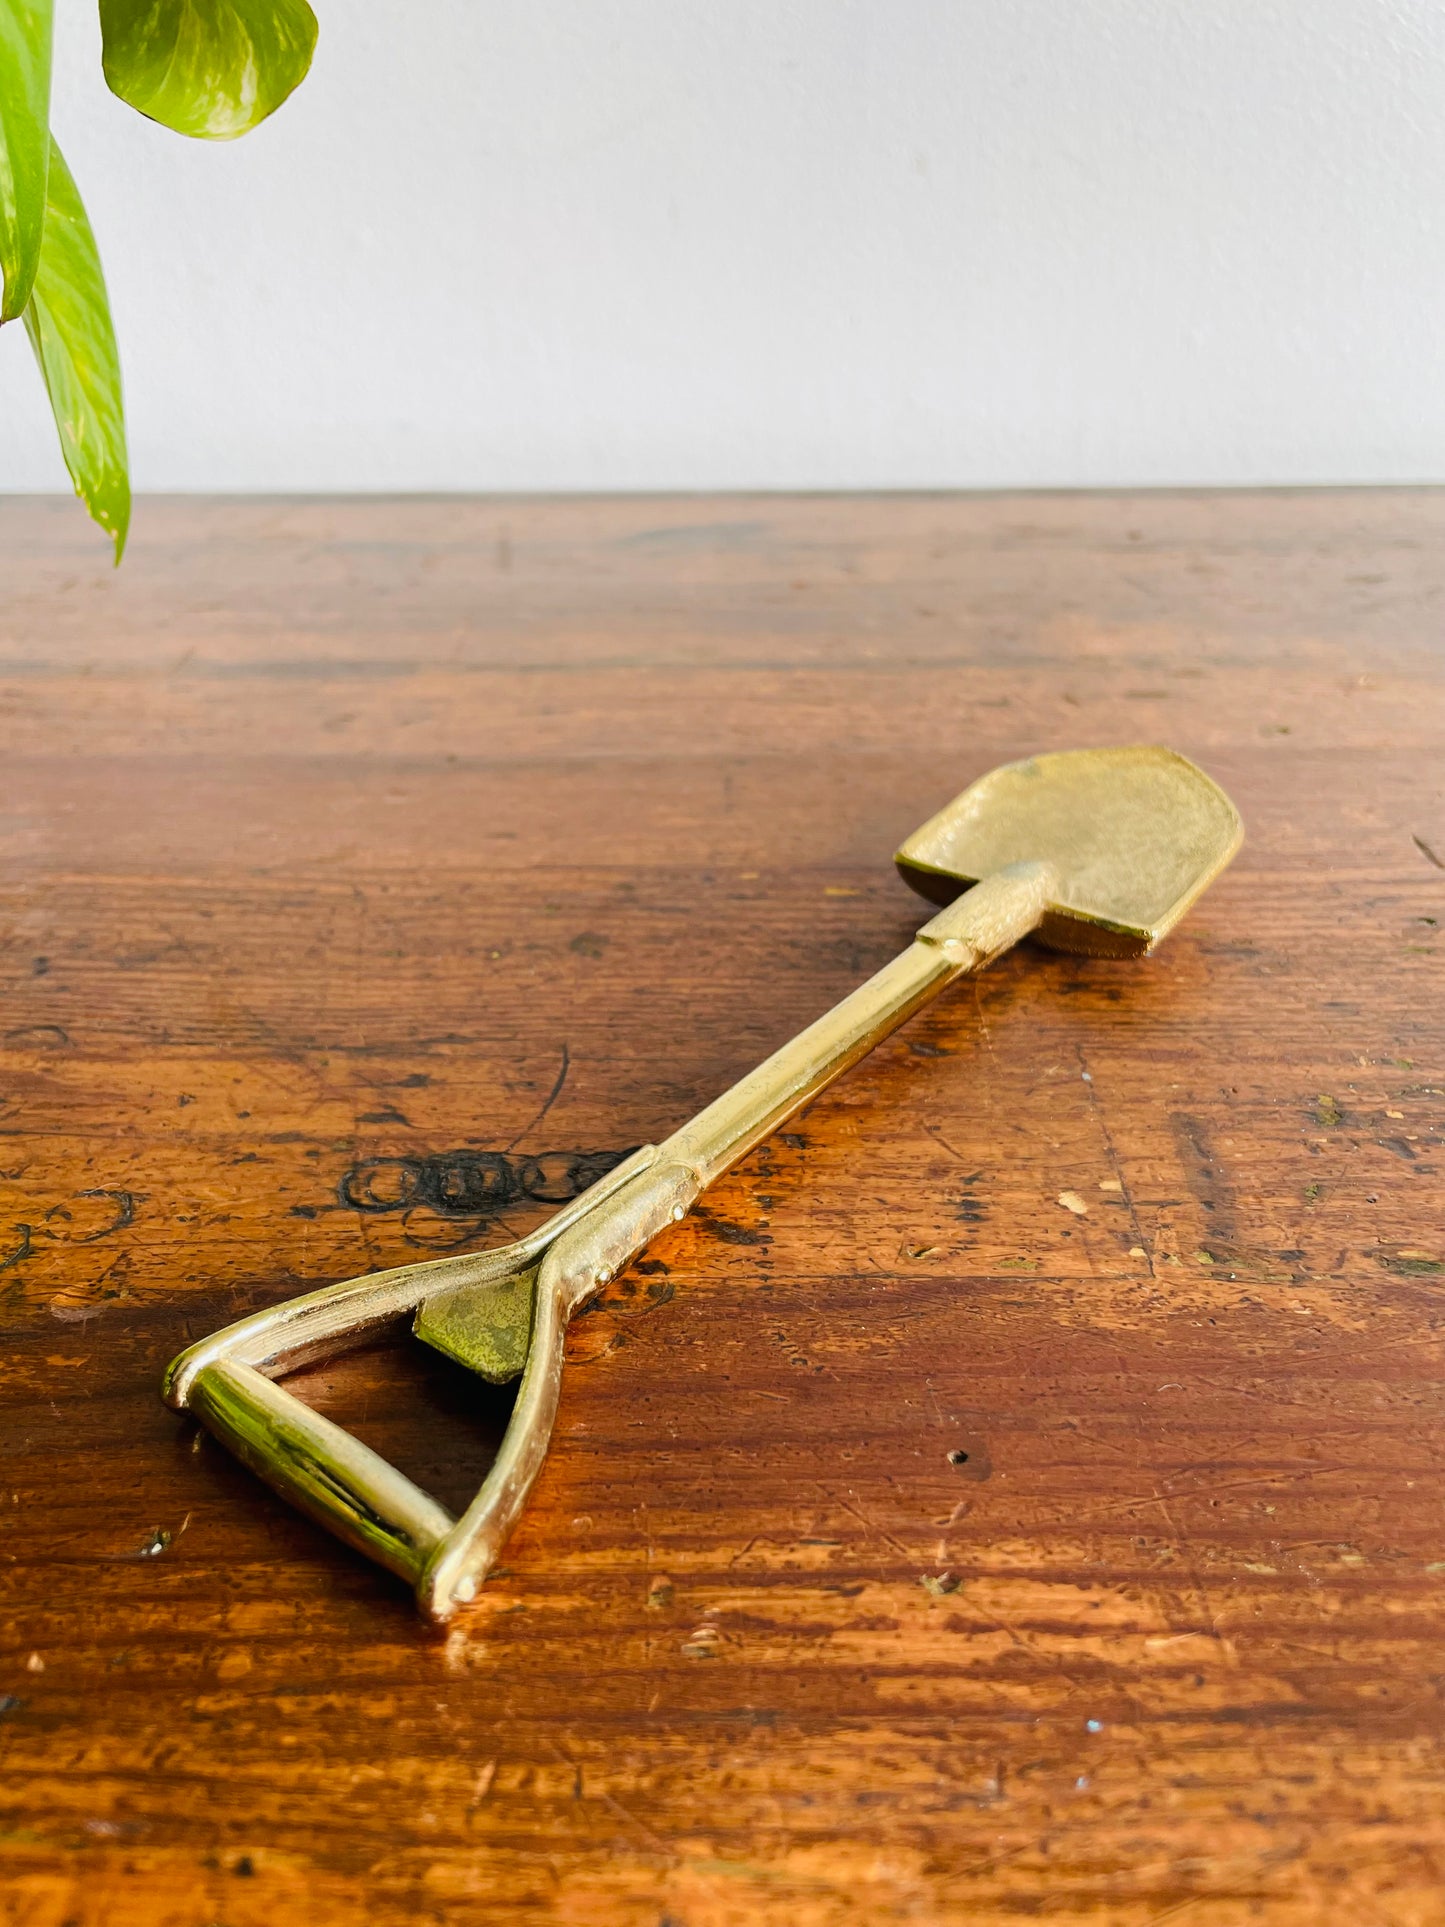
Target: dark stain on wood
[{"x": 478, "y": 1186}]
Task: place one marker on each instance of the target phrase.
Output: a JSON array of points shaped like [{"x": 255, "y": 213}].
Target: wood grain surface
[{"x": 915, "y": 1545}]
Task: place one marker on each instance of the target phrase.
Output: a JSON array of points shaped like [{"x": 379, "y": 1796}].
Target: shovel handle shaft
[{"x": 965, "y": 936}]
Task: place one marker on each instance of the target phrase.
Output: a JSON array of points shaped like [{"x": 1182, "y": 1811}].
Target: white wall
[{"x": 785, "y": 243}]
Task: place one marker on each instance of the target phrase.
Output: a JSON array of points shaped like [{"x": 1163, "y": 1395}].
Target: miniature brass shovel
[{"x": 1099, "y": 851}]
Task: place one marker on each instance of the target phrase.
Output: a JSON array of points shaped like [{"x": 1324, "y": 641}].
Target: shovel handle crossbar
[{"x": 507, "y": 1310}]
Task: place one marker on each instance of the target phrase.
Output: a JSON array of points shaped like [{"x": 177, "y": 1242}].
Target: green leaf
[
  {"x": 68, "y": 321},
  {"x": 209, "y": 68},
  {"x": 24, "y": 144}
]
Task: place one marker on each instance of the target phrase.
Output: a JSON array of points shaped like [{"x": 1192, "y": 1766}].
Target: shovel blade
[{"x": 1135, "y": 835}]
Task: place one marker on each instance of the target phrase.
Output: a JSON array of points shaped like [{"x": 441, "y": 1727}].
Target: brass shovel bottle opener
[{"x": 1097, "y": 851}]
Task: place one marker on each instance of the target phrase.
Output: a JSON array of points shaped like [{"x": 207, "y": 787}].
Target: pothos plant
[{"x": 212, "y": 69}]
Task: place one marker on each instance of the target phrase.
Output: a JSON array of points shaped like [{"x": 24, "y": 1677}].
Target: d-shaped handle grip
[{"x": 227, "y": 1380}]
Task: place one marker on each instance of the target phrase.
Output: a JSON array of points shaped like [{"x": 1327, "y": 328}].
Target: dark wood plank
[{"x": 334, "y": 831}]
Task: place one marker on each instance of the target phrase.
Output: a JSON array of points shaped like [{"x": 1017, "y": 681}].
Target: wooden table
[{"x": 370, "y": 866}]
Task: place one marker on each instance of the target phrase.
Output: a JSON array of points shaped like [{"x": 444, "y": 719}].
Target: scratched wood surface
[{"x": 915, "y": 1545}]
